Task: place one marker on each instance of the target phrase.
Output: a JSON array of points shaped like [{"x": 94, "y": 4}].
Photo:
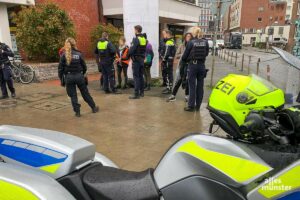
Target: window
[
  {"x": 288, "y": 17},
  {"x": 280, "y": 30},
  {"x": 259, "y": 19},
  {"x": 289, "y": 8},
  {"x": 261, "y": 9}
]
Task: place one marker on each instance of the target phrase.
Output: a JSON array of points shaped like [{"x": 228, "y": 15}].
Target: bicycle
[{"x": 21, "y": 72}]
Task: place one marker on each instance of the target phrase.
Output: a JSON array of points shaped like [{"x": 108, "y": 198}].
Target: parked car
[{"x": 220, "y": 44}]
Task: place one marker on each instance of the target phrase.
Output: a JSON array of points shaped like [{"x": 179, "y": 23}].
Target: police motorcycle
[{"x": 258, "y": 160}]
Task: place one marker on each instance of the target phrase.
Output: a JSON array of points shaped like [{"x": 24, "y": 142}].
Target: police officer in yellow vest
[
  {"x": 168, "y": 60},
  {"x": 137, "y": 53},
  {"x": 106, "y": 52}
]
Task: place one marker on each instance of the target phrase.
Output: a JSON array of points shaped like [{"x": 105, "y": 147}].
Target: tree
[
  {"x": 42, "y": 30},
  {"x": 114, "y": 33}
]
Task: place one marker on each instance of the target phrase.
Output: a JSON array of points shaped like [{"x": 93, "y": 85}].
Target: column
[
  {"x": 4, "y": 25},
  {"x": 146, "y": 14}
]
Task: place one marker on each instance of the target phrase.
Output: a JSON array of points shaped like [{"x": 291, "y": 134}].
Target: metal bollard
[
  {"x": 249, "y": 64},
  {"x": 268, "y": 73},
  {"x": 236, "y": 57},
  {"x": 231, "y": 57},
  {"x": 257, "y": 66},
  {"x": 243, "y": 58},
  {"x": 228, "y": 55}
]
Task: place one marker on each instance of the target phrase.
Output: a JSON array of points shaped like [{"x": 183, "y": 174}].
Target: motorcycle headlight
[{"x": 242, "y": 97}]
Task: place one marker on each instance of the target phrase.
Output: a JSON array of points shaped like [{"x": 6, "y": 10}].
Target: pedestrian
[
  {"x": 181, "y": 71},
  {"x": 72, "y": 69},
  {"x": 195, "y": 55},
  {"x": 105, "y": 53},
  {"x": 122, "y": 62},
  {"x": 161, "y": 50},
  {"x": 137, "y": 54},
  {"x": 168, "y": 60},
  {"x": 148, "y": 64},
  {"x": 5, "y": 71}
]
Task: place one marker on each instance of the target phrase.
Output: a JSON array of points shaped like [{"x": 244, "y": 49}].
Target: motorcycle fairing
[
  {"x": 241, "y": 94},
  {"x": 284, "y": 185},
  {"x": 193, "y": 156},
  {"x": 54, "y": 153},
  {"x": 23, "y": 183}
]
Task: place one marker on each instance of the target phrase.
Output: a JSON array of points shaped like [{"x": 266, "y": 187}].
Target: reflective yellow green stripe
[
  {"x": 51, "y": 168},
  {"x": 170, "y": 42},
  {"x": 288, "y": 181},
  {"x": 102, "y": 45},
  {"x": 142, "y": 41},
  {"x": 9, "y": 191},
  {"x": 239, "y": 169}
]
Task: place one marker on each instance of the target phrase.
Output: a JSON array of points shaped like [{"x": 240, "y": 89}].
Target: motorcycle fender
[{"x": 18, "y": 183}]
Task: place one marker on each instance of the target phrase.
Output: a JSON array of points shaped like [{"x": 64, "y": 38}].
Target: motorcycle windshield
[{"x": 260, "y": 86}]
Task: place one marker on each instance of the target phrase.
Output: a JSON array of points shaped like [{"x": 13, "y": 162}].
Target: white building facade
[{"x": 5, "y": 32}]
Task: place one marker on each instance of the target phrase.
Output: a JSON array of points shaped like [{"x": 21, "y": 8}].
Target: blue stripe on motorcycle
[
  {"x": 293, "y": 196},
  {"x": 30, "y": 154}
]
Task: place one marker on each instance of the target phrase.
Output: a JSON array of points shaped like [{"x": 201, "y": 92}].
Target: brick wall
[
  {"x": 251, "y": 12},
  {"x": 85, "y": 16},
  {"x": 48, "y": 71}
]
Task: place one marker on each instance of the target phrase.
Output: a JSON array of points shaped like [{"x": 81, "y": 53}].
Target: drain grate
[
  {"x": 38, "y": 97},
  {"x": 49, "y": 105}
]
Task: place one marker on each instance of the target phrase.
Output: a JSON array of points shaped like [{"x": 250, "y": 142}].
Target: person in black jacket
[
  {"x": 106, "y": 52},
  {"x": 195, "y": 55},
  {"x": 168, "y": 61},
  {"x": 5, "y": 71},
  {"x": 161, "y": 50},
  {"x": 72, "y": 72},
  {"x": 137, "y": 53}
]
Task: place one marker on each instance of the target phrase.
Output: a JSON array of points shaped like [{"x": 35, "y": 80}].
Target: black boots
[
  {"x": 77, "y": 114},
  {"x": 95, "y": 110},
  {"x": 148, "y": 87},
  {"x": 135, "y": 96}
]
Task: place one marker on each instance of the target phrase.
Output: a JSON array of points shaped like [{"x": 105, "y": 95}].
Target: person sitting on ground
[
  {"x": 148, "y": 63},
  {"x": 181, "y": 71},
  {"x": 122, "y": 60}
]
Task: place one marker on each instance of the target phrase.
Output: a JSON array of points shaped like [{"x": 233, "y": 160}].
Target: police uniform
[
  {"x": 161, "y": 50},
  {"x": 195, "y": 54},
  {"x": 73, "y": 75},
  {"x": 137, "y": 53},
  {"x": 167, "y": 63},
  {"x": 106, "y": 52},
  {"x": 5, "y": 71}
]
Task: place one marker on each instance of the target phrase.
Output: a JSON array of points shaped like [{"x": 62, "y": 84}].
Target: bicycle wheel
[{"x": 27, "y": 74}]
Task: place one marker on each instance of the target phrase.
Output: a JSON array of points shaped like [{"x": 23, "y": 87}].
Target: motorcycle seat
[{"x": 109, "y": 183}]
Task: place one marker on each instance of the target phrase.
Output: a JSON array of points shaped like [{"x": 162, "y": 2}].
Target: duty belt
[
  {"x": 81, "y": 72},
  {"x": 197, "y": 62}
]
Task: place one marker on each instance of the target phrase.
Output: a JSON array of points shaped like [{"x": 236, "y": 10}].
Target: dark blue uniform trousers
[
  {"x": 196, "y": 75},
  {"x": 138, "y": 76},
  {"x": 6, "y": 80},
  {"x": 108, "y": 74},
  {"x": 77, "y": 79}
]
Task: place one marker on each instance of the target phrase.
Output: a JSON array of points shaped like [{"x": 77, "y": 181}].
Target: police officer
[
  {"x": 161, "y": 50},
  {"x": 5, "y": 71},
  {"x": 168, "y": 60},
  {"x": 195, "y": 54},
  {"x": 71, "y": 71},
  {"x": 106, "y": 53},
  {"x": 137, "y": 53}
]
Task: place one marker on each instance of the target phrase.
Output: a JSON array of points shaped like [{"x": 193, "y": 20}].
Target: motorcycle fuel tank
[
  {"x": 54, "y": 153},
  {"x": 199, "y": 165}
]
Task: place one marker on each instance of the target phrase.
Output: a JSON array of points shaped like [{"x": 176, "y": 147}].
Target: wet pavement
[{"x": 133, "y": 133}]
